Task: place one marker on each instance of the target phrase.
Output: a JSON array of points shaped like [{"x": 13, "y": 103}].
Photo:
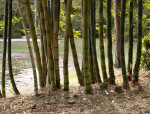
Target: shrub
[{"x": 145, "y": 58}]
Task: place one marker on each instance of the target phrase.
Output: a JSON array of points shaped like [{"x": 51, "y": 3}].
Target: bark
[
  {"x": 66, "y": 44},
  {"x": 86, "y": 8},
  {"x": 35, "y": 13},
  {"x": 35, "y": 44},
  {"x": 130, "y": 52},
  {"x": 123, "y": 66},
  {"x": 42, "y": 23},
  {"x": 102, "y": 52},
  {"x": 4, "y": 47},
  {"x": 117, "y": 32},
  {"x": 109, "y": 48},
  {"x": 75, "y": 58},
  {"x": 93, "y": 42},
  {"x": 30, "y": 49},
  {"x": 90, "y": 57},
  {"x": 9, "y": 49},
  {"x": 49, "y": 36},
  {"x": 139, "y": 44},
  {"x": 56, "y": 48}
]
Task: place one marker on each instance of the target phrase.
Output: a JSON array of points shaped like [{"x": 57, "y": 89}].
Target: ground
[{"x": 133, "y": 101}]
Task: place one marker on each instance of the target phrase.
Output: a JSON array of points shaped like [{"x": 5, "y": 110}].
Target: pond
[{"x": 23, "y": 74}]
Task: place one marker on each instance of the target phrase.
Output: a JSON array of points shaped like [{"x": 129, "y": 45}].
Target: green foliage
[
  {"x": 146, "y": 42},
  {"x": 145, "y": 59}
]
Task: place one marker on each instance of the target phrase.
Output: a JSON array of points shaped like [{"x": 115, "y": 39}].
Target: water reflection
[{"x": 23, "y": 75}]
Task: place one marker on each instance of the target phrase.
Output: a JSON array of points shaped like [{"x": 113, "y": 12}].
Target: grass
[{"x": 22, "y": 47}]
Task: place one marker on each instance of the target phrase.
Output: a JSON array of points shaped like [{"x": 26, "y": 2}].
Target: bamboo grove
[{"x": 47, "y": 60}]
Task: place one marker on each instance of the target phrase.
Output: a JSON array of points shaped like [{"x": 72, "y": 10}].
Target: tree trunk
[
  {"x": 102, "y": 52},
  {"x": 9, "y": 49},
  {"x": 56, "y": 48},
  {"x": 66, "y": 44},
  {"x": 42, "y": 23},
  {"x": 4, "y": 47},
  {"x": 86, "y": 8},
  {"x": 35, "y": 44},
  {"x": 109, "y": 48},
  {"x": 123, "y": 66},
  {"x": 35, "y": 13},
  {"x": 130, "y": 53},
  {"x": 49, "y": 35},
  {"x": 90, "y": 56},
  {"x": 139, "y": 44},
  {"x": 93, "y": 42},
  {"x": 117, "y": 32},
  {"x": 75, "y": 58},
  {"x": 30, "y": 49}
]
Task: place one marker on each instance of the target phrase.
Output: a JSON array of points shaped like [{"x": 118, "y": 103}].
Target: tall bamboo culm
[
  {"x": 56, "y": 46},
  {"x": 4, "y": 47},
  {"x": 86, "y": 9},
  {"x": 123, "y": 66},
  {"x": 49, "y": 36},
  {"x": 109, "y": 45},
  {"x": 130, "y": 52},
  {"x": 139, "y": 44},
  {"x": 101, "y": 42},
  {"x": 30, "y": 49},
  {"x": 66, "y": 44},
  {"x": 35, "y": 44},
  {"x": 9, "y": 49}
]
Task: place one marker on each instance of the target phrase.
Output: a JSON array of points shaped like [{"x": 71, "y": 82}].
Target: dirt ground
[{"x": 133, "y": 101}]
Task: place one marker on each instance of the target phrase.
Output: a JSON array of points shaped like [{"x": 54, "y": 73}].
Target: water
[{"x": 23, "y": 75}]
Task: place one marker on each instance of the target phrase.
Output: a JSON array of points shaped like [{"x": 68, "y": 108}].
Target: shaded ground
[{"x": 133, "y": 101}]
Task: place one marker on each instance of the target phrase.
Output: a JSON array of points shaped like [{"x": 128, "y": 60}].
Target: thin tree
[
  {"x": 75, "y": 58},
  {"x": 101, "y": 42},
  {"x": 9, "y": 49},
  {"x": 117, "y": 16},
  {"x": 0, "y": 94},
  {"x": 130, "y": 52},
  {"x": 35, "y": 44},
  {"x": 86, "y": 9},
  {"x": 44, "y": 49},
  {"x": 66, "y": 44},
  {"x": 93, "y": 41},
  {"x": 109, "y": 48},
  {"x": 4, "y": 47},
  {"x": 30, "y": 49},
  {"x": 35, "y": 13},
  {"x": 123, "y": 66},
  {"x": 74, "y": 53},
  {"x": 49, "y": 36},
  {"x": 56, "y": 46},
  {"x": 139, "y": 44}
]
